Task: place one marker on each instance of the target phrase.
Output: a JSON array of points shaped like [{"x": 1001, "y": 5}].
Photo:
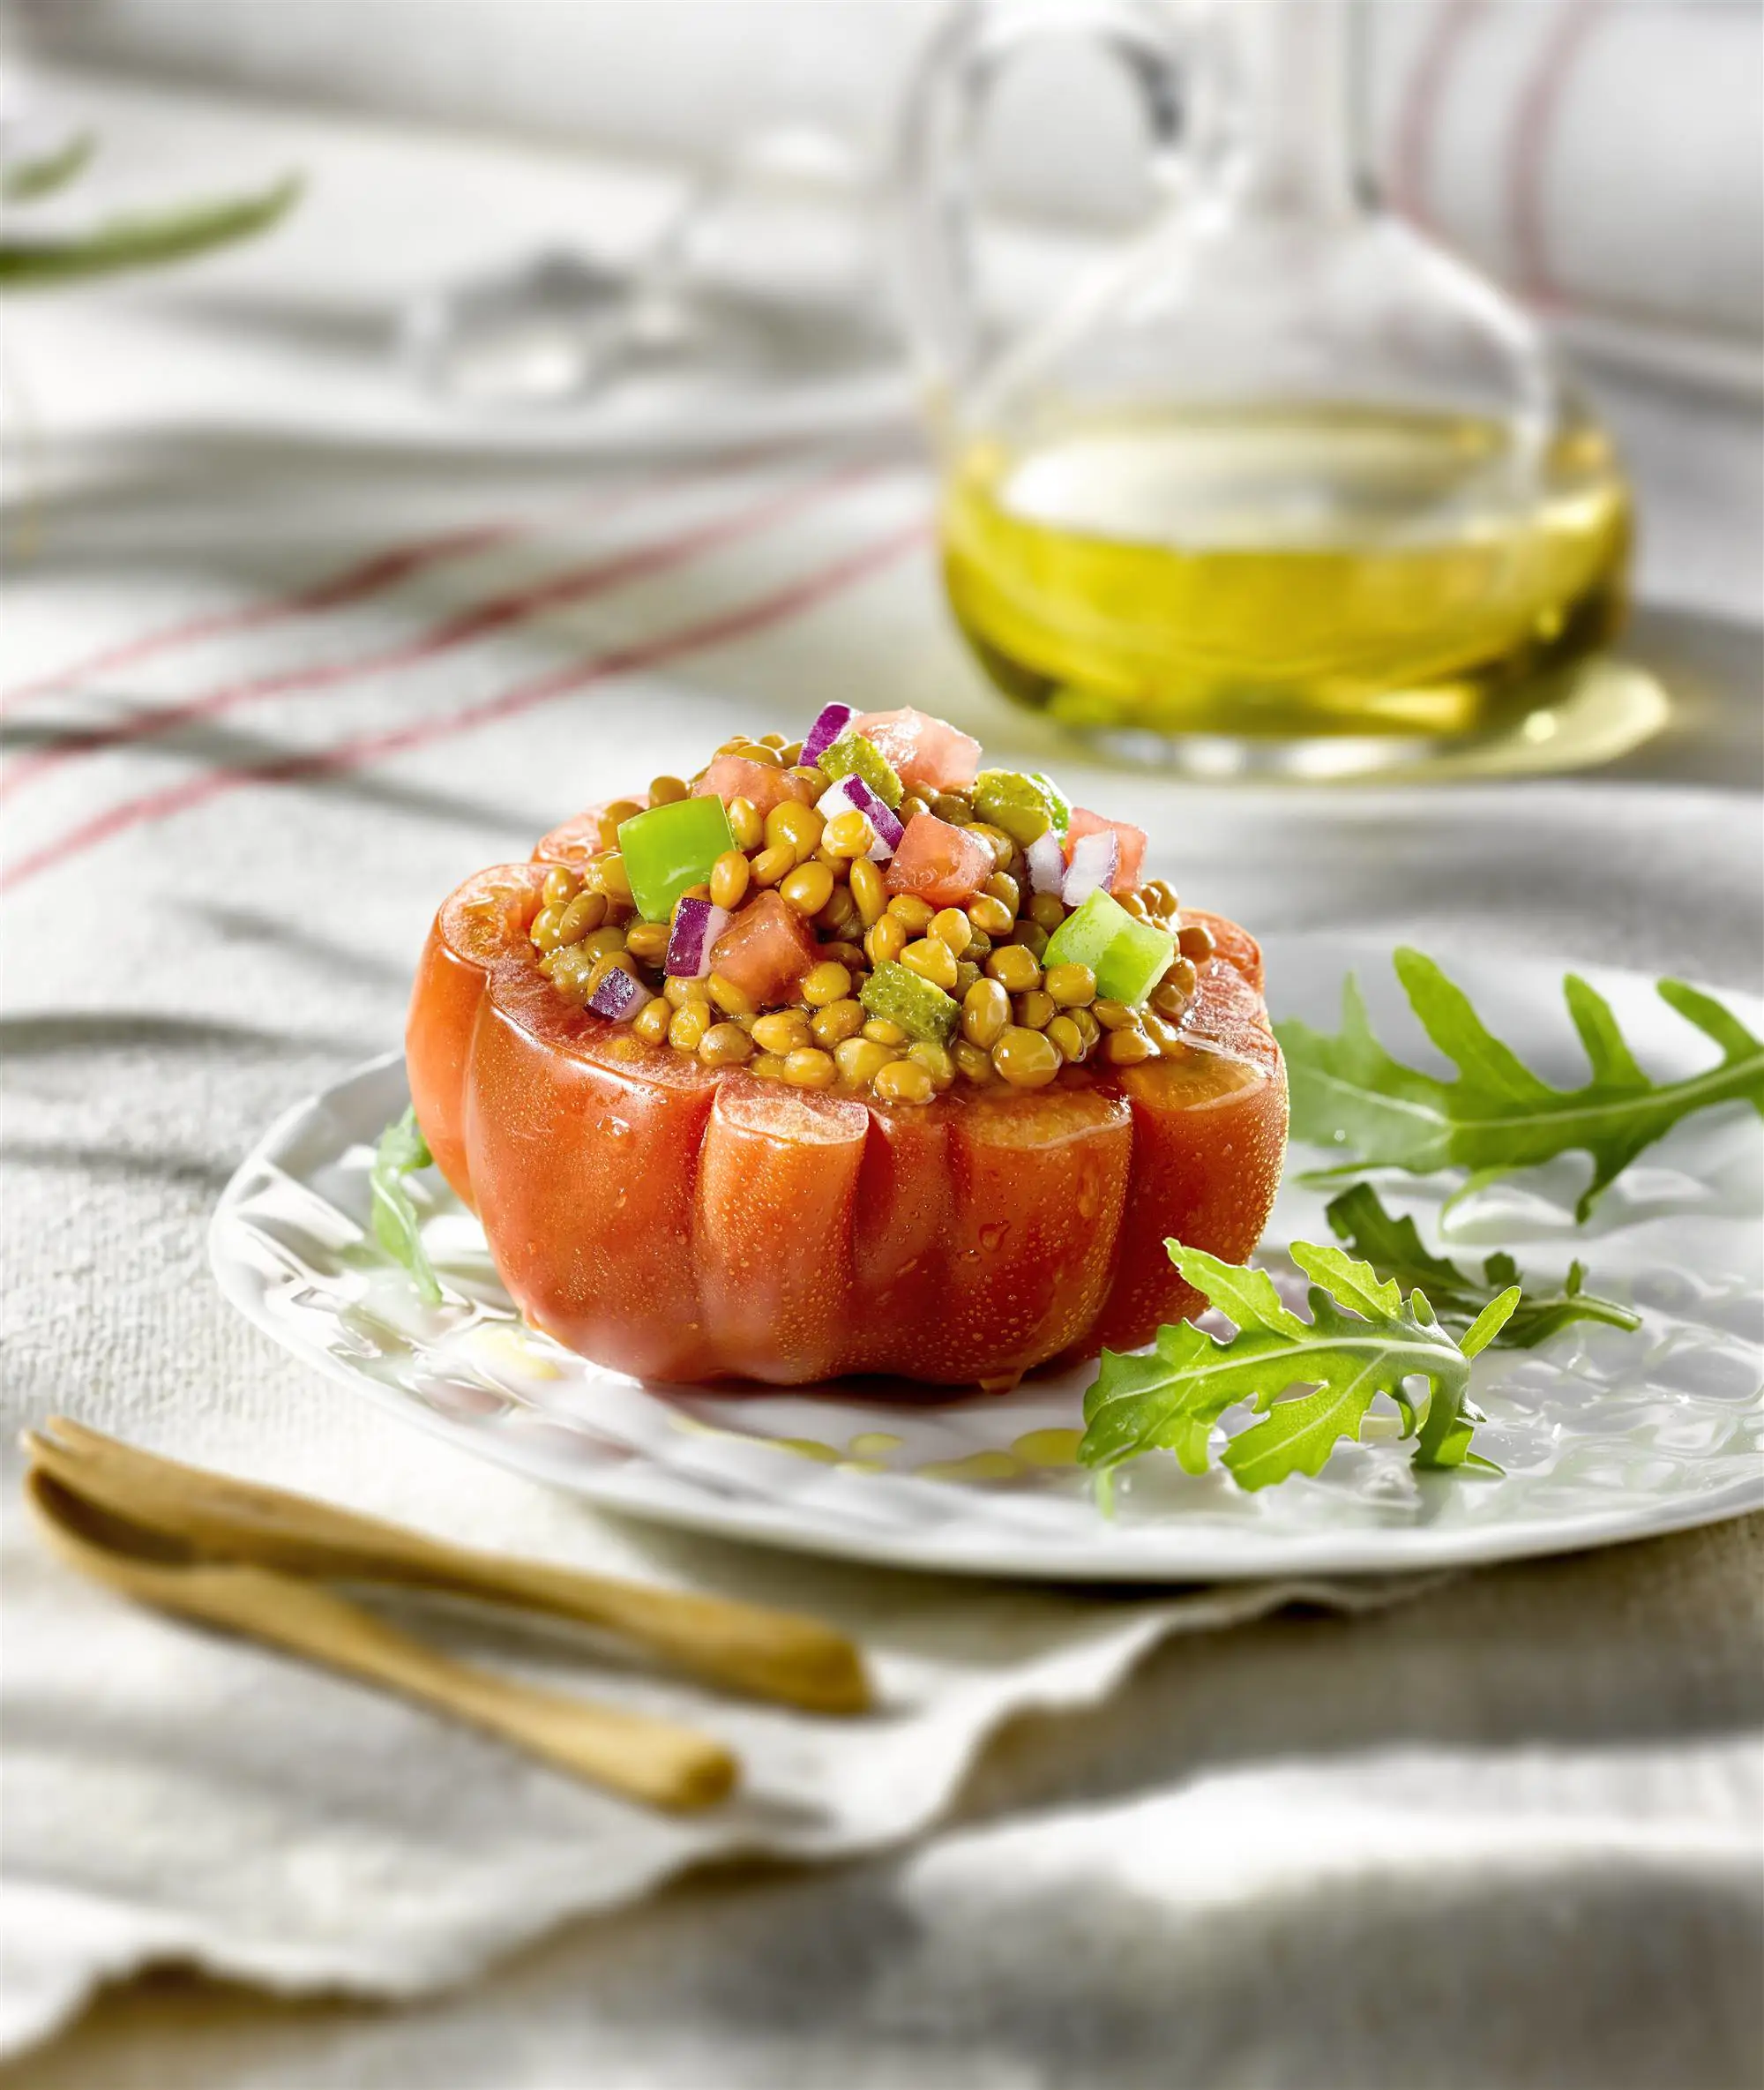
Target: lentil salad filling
[
  {"x": 868, "y": 911},
  {"x": 721, "y": 1119}
]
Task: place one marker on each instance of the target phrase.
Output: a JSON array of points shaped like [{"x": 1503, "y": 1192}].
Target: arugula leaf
[
  {"x": 1358, "y": 1217},
  {"x": 1363, "y": 1339},
  {"x": 401, "y": 1150},
  {"x": 24, "y": 179},
  {"x": 1498, "y": 1117},
  {"x": 27, "y": 262}
]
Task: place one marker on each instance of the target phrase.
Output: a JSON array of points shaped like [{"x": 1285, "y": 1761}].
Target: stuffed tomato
[{"x": 845, "y": 1057}]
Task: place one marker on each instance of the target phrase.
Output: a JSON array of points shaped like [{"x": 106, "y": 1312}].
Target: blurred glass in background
[
  {"x": 1142, "y": 536},
  {"x": 1288, "y": 487}
]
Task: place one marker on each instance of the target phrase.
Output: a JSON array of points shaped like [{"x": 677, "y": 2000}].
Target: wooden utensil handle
[
  {"x": 773, "y": 1653},
  {"x": 776, "y": 1654},
  {"x": 650, "y": 1759}
]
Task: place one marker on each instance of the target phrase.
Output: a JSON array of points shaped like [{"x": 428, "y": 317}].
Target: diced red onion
[
  {"x": 834, "y": 720},
  {"x": 1095, "y": 858},
  {"x": 851, "y": 794},
  {"x": 617, "y": 995},
  {"x": 1047, "y": 863},
  {"x": 696, "y": 926}
]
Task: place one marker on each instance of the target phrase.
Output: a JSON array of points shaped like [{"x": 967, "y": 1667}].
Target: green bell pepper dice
[
  {"x": 672, "y": 848},
  {"x": 1129, "y": 958}
]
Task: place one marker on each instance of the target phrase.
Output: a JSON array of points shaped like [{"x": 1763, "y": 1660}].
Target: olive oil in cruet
[{"x": 1289, "y": 475}]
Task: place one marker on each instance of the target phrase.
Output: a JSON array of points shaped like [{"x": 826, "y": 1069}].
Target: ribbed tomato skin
[{"x": 682, "y": 1224}]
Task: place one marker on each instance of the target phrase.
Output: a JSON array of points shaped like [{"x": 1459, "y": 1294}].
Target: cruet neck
[{"x": 1297, "y": 67}]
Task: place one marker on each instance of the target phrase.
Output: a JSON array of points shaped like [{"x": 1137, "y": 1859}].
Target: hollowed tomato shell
[{"x": 686, "y": 1224}]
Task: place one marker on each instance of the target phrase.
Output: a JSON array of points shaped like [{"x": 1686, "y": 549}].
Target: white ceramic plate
[{"x": 1602, "y": 1435}]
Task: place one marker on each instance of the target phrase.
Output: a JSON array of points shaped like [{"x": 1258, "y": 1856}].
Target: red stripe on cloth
[
  {"x": 741, "y": 622},
  {"x": 1533, "y": 133},
  {"x": 577, "y": 584},
  {"x": 383, "y": 570},
  {"x": 1411, "y": 160}
]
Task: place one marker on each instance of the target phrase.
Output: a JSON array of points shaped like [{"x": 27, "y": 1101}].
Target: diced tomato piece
[
  {"x": 582, "y": 836},
  {"x": 1132, "y": 845},
  {"x": 734, "y": 776},
  {"x": 766, "y": 950},
  {"x": 927, "y": 753},
  {"x": 943, "y": 865}
]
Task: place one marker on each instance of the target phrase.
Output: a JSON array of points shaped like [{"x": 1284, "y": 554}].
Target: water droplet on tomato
[{"x": 993, "y": 1234}]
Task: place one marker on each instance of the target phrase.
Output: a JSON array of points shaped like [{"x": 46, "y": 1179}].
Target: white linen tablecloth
[{"x": 1505, "y": 1830}]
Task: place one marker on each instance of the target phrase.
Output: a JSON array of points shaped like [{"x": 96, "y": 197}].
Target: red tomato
[
  {"x": 1132, "y": 841},
  {"x": 673, "y": 1221},
  {"x": 765, "y": 950},
  {"x": 579, "y": 837},
  {"x": 943, "y": 865},
  {"x": 734, "y": 776},
  {"x": 926, "y": 754}
]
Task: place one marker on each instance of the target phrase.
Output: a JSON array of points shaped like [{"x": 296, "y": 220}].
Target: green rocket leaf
[
  {"x": 1363, "y": 1339},
  {"x": 29, "y": 262},
  {"x": 1499, "y": 1117},
  {"x": 24, "y": 179},
  {"x": 402, "y": 1150},
  {"x": 1358, "y": 1217}
]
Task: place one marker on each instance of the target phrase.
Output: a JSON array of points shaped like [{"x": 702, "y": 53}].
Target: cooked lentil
[
  {"x": 837, "y": 1021},
  {"x": 647, "y": 940},
  {"x": 935, "y": 1061},
  {"x": 687, "y": 1026},
  {"x": 773, "y": 864},
  {"x": 799, "y": 826},
  {"x": 971, "y": 1063},
  {"x": 807, "y": 888},
  {"x": 903, "y": 1080},
  {"x": 651, "y": 1020},
  {"x": 985, "y": 1010},
  {"x": 885, "y": 940},
  {"x": 809, "y": 1067},
  {"x": 1072, "y": 987},
  {"x": 1015, "y": 968},
  {"x": 583, "y": 915},
  {"x": 1025, "y": 1058},
  {"x": 848, "y": 834},
  {"x": 731, "y": 1000},
  {"x": 1064, "y": 1036},
  {"x": 1126, "y": 1047},
  {"x": 930, "y": 959},
  {"x": 609, "y": 876},
  {"x": 745, "y": 823},
  {"x": 949, "y": 925},
  {"x": 781, "y": 1030},
  {"x": 991, "y": 915},
  {"x": 725, "y": 1044},
  {"x": 730, "y": 875},
  {"x": 912, "y": 914}
]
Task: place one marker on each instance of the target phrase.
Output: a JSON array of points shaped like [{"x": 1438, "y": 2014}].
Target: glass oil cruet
[{"x": 1288, "y": 488}]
